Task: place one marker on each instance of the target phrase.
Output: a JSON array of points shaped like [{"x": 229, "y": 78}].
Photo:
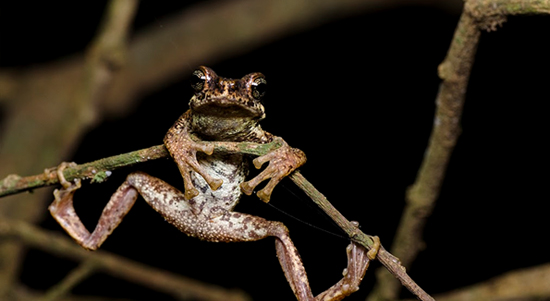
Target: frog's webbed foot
[
  {"x": 282, "y": 162},
  {"x": 358, "y": 262},
  {"x": 186, "y": 158}
]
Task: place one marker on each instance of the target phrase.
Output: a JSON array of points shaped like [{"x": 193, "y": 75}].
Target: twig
[
  {"x": 455, "y": 72},
  {"x": 103, "y": 165},
  {"x": 153, "y": 278}
]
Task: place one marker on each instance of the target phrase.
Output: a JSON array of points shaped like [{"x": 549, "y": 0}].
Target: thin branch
[
  {"x": 99, "y": 170},
  {"x": 455, "y": 72},
  {"x": 102, "y": 166},
  {"x": 162, "y": 281},
  {"x": 392, "y": 263}
]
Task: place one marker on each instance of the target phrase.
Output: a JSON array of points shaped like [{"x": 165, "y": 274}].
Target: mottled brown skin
[{"x": 221, "y": 110}]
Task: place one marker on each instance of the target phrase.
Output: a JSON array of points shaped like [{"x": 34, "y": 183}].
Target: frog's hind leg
[
  {"x": 234, "y": 227},
  {"x": 62, "y": 210},
  {"x": 155, "y": 191},
  {"x": 358, "y": 262}
]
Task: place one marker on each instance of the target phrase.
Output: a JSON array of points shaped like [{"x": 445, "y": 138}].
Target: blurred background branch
[{"x": 454, "y": 71}]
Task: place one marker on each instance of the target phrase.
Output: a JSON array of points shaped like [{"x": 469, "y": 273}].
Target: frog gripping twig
[{"x": 228, "y": 110}]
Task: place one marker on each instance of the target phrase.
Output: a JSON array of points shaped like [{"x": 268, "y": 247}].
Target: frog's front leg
[
  {"x": 184, "y": 151},
  {"x": 282, "y": 161}
]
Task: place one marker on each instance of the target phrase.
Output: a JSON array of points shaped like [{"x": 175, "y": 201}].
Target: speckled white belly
[{"x": 232, "y": 170}]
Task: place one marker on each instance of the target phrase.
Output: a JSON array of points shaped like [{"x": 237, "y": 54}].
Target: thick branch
[
  {"x": 421, "y": 196},
  {"x": 455, "y": 72}
]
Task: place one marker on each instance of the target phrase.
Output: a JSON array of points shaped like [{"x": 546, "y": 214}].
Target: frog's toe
[
  {"x": 375, "y": 248},
  {"x": 214, "y": 183},
  {"x": 264, "y": 194},
  {"x": 59, "y": 170},
  {"x": 188, "y": 163},
  {"x": 66, "y": 191},
  {"x": 204, "y": 147},
  {"x": 247, "y": 187},
  {"x": 259, "y": 161},
  {"x": 190, "y": 190},
  {"x": 190, "y": 193}
]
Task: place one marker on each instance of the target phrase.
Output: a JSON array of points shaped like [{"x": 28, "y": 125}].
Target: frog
[{"x": 221, "y": 109}]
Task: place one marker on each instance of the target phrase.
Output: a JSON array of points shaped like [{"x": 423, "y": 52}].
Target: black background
[{"x": 357, "y": 96}]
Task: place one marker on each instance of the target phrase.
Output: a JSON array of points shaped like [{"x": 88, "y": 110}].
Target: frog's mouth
[{"x": 228, "y": 108}]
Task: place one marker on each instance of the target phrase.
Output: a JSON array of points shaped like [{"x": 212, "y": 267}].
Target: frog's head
[{"x": 225, "y": 97}]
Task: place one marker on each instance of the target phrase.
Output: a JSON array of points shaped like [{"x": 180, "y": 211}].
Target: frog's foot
[
  {"x": 186, "y": 158},
  {"x": 67, "y": 186},
  {"x": 282, "y": 162},
  {"x": 62, "y": 207},
  {"x": 358, "y": 262},
  {"x": 66, "y": 194}
]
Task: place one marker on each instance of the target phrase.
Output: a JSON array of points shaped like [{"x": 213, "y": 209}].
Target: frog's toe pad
[{"x": 247, "y": 188}]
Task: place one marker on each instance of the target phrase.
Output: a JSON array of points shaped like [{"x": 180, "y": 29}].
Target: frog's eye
[
  {"x": 258, "y": 86},
  {"x": 198, "y": 79}
]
